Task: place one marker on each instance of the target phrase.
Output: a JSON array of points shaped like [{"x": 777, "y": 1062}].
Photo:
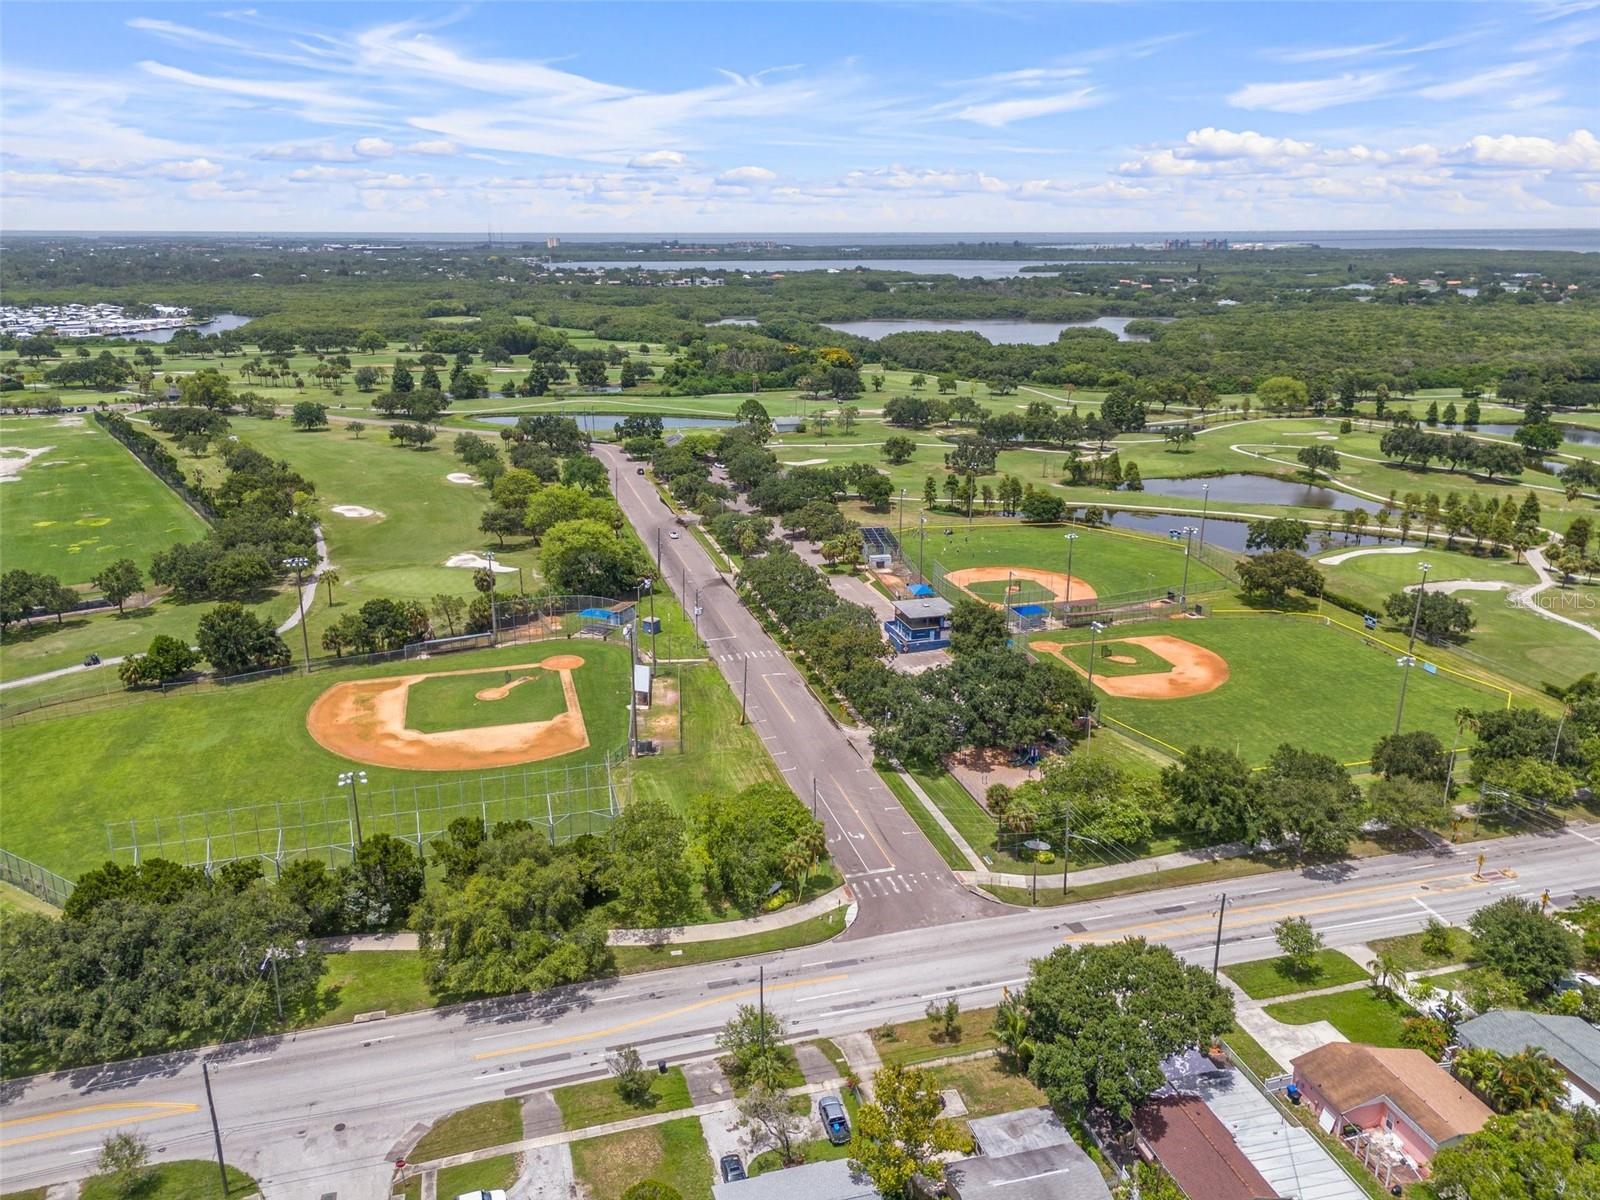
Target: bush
[
  {"x": 649, "y": 1189},
  {"x": 1436, "y": 938}
]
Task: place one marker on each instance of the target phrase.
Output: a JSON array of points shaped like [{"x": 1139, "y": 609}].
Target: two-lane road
[
  {"x": 898, "y": 879},
  {"x": 318, "y": 1112}
]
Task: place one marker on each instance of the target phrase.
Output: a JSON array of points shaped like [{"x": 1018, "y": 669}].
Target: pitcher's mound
[
  {"x": 1195, "y": 670},
  {"x": 562, "y": 662}
]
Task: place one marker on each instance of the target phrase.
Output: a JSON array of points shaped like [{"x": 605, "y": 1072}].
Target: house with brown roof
[
  {"x": 1197, "y": 1150},
  {"x": 1399, "y": 1101}
]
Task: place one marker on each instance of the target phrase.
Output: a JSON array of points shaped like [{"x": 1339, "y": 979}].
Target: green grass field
[
  {"x": 493, "y": 1123},
  {"x": 1341, "y": 688},
  {"x": 673, "y": 1153},
  {"x": 598, "y": 1102},
  {"x": 1110, "y": 561},
  {"x": 1268, "y": 978},
  {"x": 83, "y": 501},
  {"x": 185, "y": 1179},
  {"x": 1358, "y": 1014},
  {"x": 451, "y": 701},
  {"x": 247, "y": 745}
]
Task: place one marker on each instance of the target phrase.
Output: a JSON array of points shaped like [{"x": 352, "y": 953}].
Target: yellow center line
[
  {"x": 1298, "y": 905},
  {"x": 673, "y": 1012},
  {"x": 773, "y": 689},
  {"x": 162, "y": 1109}
]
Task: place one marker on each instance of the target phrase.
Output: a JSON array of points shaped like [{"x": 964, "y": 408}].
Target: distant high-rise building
[{"x": 552, "y": 243}]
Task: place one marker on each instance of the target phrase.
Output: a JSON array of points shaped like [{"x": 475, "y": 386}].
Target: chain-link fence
[
  {"x": 34, "y": 879},
  {"x": 567, "y": 802}
]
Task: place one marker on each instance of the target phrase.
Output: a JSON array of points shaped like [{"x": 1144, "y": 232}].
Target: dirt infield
[
  {"x": 1053, "y": 581},
  {"x": 365, "y": 720},
  {"x": 1195, "y": 670}
]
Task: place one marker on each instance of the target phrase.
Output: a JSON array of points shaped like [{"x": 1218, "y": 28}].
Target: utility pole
[
  {"x": 813, "y": 795},
  {"x": 1216, "y": 954},
  {"x": 633, "y": 687},
  {"x": 1410, "y": 656},
  {"x": 761, "y": 1002},
  {"x": 1066, "y": 845},
  {"x": 744, "y": 694},
  {"x": 216, "y": 1130},
  {"x": 1094, "y": 630}
]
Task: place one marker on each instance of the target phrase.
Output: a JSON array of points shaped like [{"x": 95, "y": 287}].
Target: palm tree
[
  {"x": 814, "y": 841},
  {"x": 330, "y": 577},
  {"x": 796, "y": 862},
  {"x": 1387, "y": 974},
  {"x": 1528, "y": 1079},
  {"x": 1010, "y": 1029}
]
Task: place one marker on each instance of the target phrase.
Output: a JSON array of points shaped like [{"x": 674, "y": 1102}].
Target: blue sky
[{"x": 799, "y": 117}]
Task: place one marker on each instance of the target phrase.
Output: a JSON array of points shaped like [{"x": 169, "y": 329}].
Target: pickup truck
[{"x": 834, "y": 1120}]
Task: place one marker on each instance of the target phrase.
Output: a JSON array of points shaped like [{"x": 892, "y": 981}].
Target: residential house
[
  {"x": 1399, "y": 1104},
  {"x": 1023, "y": 1155},
  {"x": 1571, "y": 1041},
  {"x": 1197, "y": 1150},
  {"x": 829, "y": 1180}
]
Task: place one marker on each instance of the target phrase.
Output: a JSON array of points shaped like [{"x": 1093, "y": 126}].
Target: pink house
[{"x": 1403, "y": 1104}]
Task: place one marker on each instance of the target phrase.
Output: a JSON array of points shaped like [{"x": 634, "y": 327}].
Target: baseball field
[{"x": 1253, "y": 681}]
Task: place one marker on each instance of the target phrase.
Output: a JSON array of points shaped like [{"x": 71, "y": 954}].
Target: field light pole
[
  {"x": 922, "y": 545},
  {"x": 1408, "y": 660},
  {"x": 349, "y": 779},
  {"x": 1183, "y": 592},
  {"x": 298, "y": 564},
  {"x": 1072, "y": 540},
  {"x": 902, "y": 534},
  {"x": 494, "y": 609},
  {"x": 1095, "y": 629},
  {"x": 1205, "y": 508}
]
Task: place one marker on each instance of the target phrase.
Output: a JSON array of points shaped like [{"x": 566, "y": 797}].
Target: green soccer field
[
  {"x": 244, "y": 746},
  {"x": 81, "y": 501},
  {"x": 452, "y": 701},
  {"x": 1290, "y": 679}
]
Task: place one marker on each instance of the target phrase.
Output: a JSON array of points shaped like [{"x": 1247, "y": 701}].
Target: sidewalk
[
  {"x": 718, "y": 930},
  {"x": 1140, "y": 866},
  {"x": 944, "y": 823}
]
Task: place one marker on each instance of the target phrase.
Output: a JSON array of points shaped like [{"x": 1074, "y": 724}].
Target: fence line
[
  {"x": 34, "y": 879},
  {"x": 567, "y": 802}
]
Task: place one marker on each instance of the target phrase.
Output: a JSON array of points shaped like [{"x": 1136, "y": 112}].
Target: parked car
[
  {"x": 834, "y": 1119},
  {"x": 673, "y": 534},
  {"x": 638, "y": 470},
  {"x": 732, "y": 1168},
  {"x": 485, "y": 1194}
]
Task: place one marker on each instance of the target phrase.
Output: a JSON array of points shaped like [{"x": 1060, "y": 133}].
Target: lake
[
  {"x": 1578, "y": 435},
  {"x": 965, "y": 268},
  {"x": 1225, "y": 532},
  {"x": 216, "y": 325},
  {"x": 1258, "y": 489},
  {"x": 1029, "y": 333}
]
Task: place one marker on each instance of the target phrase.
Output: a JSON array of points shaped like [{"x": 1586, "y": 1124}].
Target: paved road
[
  {"x": 898, "y": 879},
  {"x": 316, "y": 1113}
]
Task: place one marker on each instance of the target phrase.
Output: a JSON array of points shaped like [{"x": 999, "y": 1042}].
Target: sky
[{"x": 904, "y": 117}]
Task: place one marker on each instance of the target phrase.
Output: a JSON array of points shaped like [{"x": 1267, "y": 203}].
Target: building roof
[
  {"x": 1571, "y": 1041},
  {"x": 1049, "y": 1173},
  {"x": 923, "y": 608},
  {"x": 1350, "y": 1075},
  {"x": 1198, "y": 1151},
  {"x": 1014, "y": 1132},
  {"x": 828, "y": 1180}
]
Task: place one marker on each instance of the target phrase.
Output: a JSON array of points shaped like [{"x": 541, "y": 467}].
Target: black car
[{"x": 732, "y": 1168}]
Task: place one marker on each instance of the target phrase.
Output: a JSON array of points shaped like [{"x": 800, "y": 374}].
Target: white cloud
[
  {"x": 1579, "y": 152},
  {"x": 185, "y": 35},
  {"x": 1313, "y": 95},
  {"x": 748, "y": 175},
  {"x": 657, "y": 159},
  {"x": 1479, "y": 81},
  {"x": 374, "y": 147},
  {"x": 1222, "y": 143},
  {"x": 999, "y": 113},
  {"x": 438, "y": 146},
  {"x": 313, "y": 100}
]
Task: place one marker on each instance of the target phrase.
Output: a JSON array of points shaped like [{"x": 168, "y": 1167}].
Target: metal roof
[
  {"x": 828, "y": 1180},
  {"x": 1571, "y": 1041}
]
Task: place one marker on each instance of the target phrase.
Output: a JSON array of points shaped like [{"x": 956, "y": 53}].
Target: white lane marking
[
  {"x": 826, "y": 995},
  {"x": 1428, "y": 910},
  {"x": 249, "y": 1061}
]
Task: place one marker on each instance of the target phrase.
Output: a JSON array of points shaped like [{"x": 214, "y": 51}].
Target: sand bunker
[
  {"x": 1465, "y": 585},
  {"x": 365, "y": 720},
  {"x": 477, "y": 562},
  {"x": 463, "y": 477},
  {"x": 14, "y": 458},
  {"x": 805, "y": 462},
  {"x": 354, "y": 511},
  {"x": 1054, "y": 581},
  {"x": 1195, "y": 670}
]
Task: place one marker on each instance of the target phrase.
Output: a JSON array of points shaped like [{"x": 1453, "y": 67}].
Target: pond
[
  {"x": 607, "y": 422},
  {"x": 1258, "y": 489},
  {"x": 1578, "y": 435},
  {"x": 1028, "y": 333},
  {"x": 965, "y": 268},
  {"x": 1223, "y": 532},
  {"x": 216, "y": 325}
]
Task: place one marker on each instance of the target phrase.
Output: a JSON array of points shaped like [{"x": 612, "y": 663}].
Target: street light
[
  {"x": 1071, "y": 540},
  {"x": 1408, "y": 659},
  {"x": 298, "y": 563},
  {"x": 349, "y": 779},
  {"x": 1095, "y": 629},
  {"x": 494, "y": 613},
  {"x": 1038, "y": 846}
]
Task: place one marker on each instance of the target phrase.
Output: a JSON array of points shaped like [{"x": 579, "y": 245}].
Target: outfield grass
[
  {"x": 85, "y": 502},
  {"x": 1358, "y": 1014},
  {"x": 451, "y": 702},
  {"x": 1342, "y": 688},
  {"x": 1266, "y": 978},
  {"x": 673, "y": 1153},
  {"x": 597, "y": 1102},
  {"x": 144, "y": 760},
  {"x": 185, "y": 1179}
]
